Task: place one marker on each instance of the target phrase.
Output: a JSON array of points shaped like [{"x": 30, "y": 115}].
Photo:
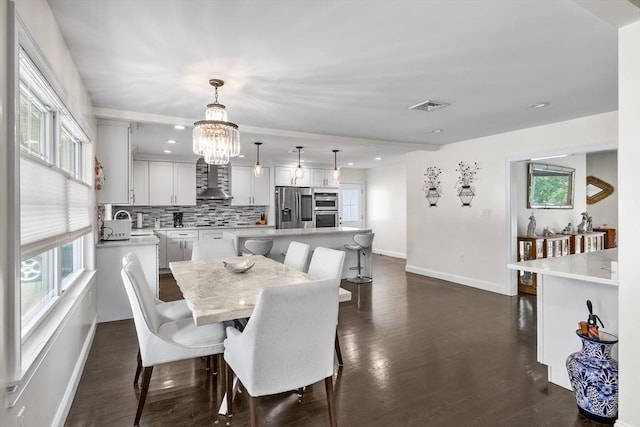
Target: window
[{"x": 55, "y": 212}]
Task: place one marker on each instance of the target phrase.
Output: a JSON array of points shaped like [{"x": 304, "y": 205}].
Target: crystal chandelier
[{"x": 216, "y": 139}]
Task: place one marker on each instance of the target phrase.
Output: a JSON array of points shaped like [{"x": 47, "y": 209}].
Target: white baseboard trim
[
  {"x": 74, "y": 381},
  {"x": 461, "y": 280},
  {"x": 392, "y": 254},
  {"x": 621, "y": 424}
]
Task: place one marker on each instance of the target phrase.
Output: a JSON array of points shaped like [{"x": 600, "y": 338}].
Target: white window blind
[{"x": 54, "y": 209}]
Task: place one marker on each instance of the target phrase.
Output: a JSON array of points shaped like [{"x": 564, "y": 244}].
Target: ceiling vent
[{"x": 428, "y": 105}]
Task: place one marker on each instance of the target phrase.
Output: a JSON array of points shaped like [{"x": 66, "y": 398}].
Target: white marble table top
[
  {"x": 214, "y": 294},
  {"x": 597, "y": 267}
]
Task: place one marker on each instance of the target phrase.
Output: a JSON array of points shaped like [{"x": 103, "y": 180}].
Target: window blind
[{"x": 54, "y": 208}]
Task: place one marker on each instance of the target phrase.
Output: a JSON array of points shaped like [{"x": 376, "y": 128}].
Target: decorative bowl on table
[{"x": 238, "y": 267}]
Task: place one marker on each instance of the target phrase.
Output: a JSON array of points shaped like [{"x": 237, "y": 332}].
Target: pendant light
[
  {"x": 257, "y": 169},
  {"x": 299, "y": 170},
  {"x": 215, "y": 138},
  {"x": 335, "y": 173}
]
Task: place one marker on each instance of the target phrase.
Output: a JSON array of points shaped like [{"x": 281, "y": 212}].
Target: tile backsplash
[{"x": 212, "y": 213}]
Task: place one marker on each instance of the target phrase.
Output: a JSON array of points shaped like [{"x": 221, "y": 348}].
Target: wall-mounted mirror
[{"x": 549, "y": 187}]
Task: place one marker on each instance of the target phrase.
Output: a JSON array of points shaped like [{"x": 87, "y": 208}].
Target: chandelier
[
  {"x": 335, "y": 173},
  {"x": 216, "y": 139},
  {"x": 299, "y": 171}
]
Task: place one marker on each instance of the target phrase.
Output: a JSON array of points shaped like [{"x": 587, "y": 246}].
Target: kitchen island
[
  {"x": 564, "y": 285},
  {"x": 329, "y": 237}
]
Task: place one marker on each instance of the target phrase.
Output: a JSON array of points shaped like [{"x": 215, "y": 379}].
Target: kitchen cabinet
[
  {"x": 247, "y": 189},
  {"x": 113, "y": 150},
  {"x": 286, "y": 176},
  {"x": 140, "y": 195},
  {"x": 162, "y": 248},
  {"x": 530, "y": 248},
  {"x": 172, "y": 184},
  {"x": 180, "y": 244},
  {"x": 323, "y": 178}
]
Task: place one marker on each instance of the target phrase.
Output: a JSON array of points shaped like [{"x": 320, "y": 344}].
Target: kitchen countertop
[
  {"x": 133, "y": 241},
  {"x": 591, "y": 267},
  {"x": 298, "y": 231},
  {"x": 212, "y": 227}
]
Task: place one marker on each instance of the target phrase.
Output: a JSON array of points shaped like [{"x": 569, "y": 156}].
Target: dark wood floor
[{"x": 418, "y": 352}]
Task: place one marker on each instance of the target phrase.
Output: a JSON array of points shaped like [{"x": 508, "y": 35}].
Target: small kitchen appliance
[{"x": 177, "y": 219}]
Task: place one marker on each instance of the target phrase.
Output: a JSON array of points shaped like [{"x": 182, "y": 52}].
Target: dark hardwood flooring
[{"x": 417, "y": 352}]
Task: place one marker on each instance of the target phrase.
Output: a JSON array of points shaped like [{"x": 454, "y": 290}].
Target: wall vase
[
  {"x": 432, "y": 196},
  {"x": 466, "y": 193},
  {"x": 594, "y": 378}
]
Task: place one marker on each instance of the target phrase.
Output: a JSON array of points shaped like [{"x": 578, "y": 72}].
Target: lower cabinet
[{"x": 180, "y": 245}]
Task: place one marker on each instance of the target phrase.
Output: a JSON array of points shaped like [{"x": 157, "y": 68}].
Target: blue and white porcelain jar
[{"x": 594, "y": 377}]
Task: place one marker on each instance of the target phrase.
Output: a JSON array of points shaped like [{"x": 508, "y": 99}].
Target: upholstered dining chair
[
  {"x": 164, "y": 341},
  {"x": 212, "y": 249},
  {"x": 259, "y": 246},
  {"x": 327, "y": 264},
  {"x": 286, "y": 344},
  {"x": 297, "y": 255}
]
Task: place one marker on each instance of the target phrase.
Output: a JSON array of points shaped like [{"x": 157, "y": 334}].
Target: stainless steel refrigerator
[{"x": 294, "y": 207}]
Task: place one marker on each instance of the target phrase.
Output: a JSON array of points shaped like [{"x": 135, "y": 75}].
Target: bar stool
[
  {"x": 259, "y": 247},
  {"x": 362, "y": 242}
]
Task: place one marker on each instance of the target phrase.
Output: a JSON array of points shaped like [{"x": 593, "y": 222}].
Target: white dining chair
[
  {"x": 163, "y": 342},
  {"x": 286, "y": 344},
  {"x": 259, "y": 246},
  {"x": 327, "y": 264},
  {"x": 170, "y": 310},
  {"x": 297, "y": 255},
  {"x": 212, "y": 249}
]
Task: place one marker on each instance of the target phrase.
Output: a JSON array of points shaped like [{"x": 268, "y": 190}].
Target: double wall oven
[{"x": 325, "y": 208}]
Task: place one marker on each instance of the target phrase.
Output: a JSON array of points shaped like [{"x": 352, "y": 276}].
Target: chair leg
[
  {"x": 229, "y": 385},
  {"x": 338, "y": 351},
  {"x": 328, "y": 385},
  {"x": 207, "y": 360},
  {"x": 138, "y": 369},
  {"x": 253, "y": 410},
  {"x": 146, "y": 379},
  {"x": 216, "y": 365}
]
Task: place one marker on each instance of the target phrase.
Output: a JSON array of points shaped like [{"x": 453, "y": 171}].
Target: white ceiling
[{"x": 341, "y": 74}]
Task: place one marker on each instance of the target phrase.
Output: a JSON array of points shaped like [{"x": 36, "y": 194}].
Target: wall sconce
[
  {"x": 431, "y": 187},
  {"x": 466, "y": 191}
]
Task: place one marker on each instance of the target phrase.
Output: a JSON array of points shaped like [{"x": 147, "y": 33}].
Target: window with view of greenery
[{"x": 550, "y": 186}]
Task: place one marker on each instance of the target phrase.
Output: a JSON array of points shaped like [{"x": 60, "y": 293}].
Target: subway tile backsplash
[{"x": 207, "y": 213}]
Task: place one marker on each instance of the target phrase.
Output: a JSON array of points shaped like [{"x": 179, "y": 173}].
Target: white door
[{"x": 351, "y": 205}]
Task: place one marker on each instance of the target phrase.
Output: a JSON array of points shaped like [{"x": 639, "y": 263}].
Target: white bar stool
[
  {"x": 259, "y": 247},
  {"x": 362, "y": 242}
]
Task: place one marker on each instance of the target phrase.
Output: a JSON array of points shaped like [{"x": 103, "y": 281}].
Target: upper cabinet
[
  {"x": 172, "y": 184},
  {"x": 248, "y": 189},
  {"x": 114, "y": 153},
  {"x": 141, "y": 183},
  {"x": 286, "y": 176},
  {"x": 323, "y": 178}
]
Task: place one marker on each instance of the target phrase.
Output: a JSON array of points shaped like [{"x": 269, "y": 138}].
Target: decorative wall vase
[
  {"x": 466, "y": 191},
  {"x": 594, "y": 377},
  {"x": 431, "y": 187}
]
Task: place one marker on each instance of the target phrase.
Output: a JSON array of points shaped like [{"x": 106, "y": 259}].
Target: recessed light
[
  {"x": 437, "y": 130},
  {"x": 540, "y": 105},
  {"x": 179, "y": 127},
  {"x": 241, "y": 156},
  {"x": 167, "y": 151},
  {"x": 171, "y": 141},
  {"x": 350, "y": 163},
  {"x": 378, "y": 158}
]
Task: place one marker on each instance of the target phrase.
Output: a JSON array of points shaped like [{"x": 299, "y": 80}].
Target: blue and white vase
[{"x": 594, "y": 378}]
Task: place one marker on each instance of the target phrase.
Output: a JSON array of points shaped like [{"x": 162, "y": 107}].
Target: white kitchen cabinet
[
  {"x": 247, "y": 189},
  {"x": 141, "y": 183},
  {"x": 162, "y": 248},
  {"x": 172, "y": 184},
  {"x": 286, "y": 176},
  {"x": 114, "y": 153},
  {"x": 180, "y": 244},
  {"x": 323, "y": 178}
]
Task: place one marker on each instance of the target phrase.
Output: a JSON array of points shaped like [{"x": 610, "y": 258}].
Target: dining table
[{"x": 215, "y": 293}]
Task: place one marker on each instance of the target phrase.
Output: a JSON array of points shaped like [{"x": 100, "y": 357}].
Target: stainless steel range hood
[{"x": 213, "y": 192}]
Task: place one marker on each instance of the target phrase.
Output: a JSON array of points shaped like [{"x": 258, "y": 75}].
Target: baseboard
[
  {"x": 392, "y": 254},
  {"x": 74, "y": 381},
  {"x": 461, "y": 280},
  {"x": 621, "y": 424}
]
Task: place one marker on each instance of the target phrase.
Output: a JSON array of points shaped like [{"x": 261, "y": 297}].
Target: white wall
[
  {"x": 469, "y": 245},
  {"x": 352, "y": 176},
  {"x": 386, "y": 201},
  {"x": 629, "y": 236},
  {"x": 555, "y": 219},
  {"x": 604, "y": 166}
]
